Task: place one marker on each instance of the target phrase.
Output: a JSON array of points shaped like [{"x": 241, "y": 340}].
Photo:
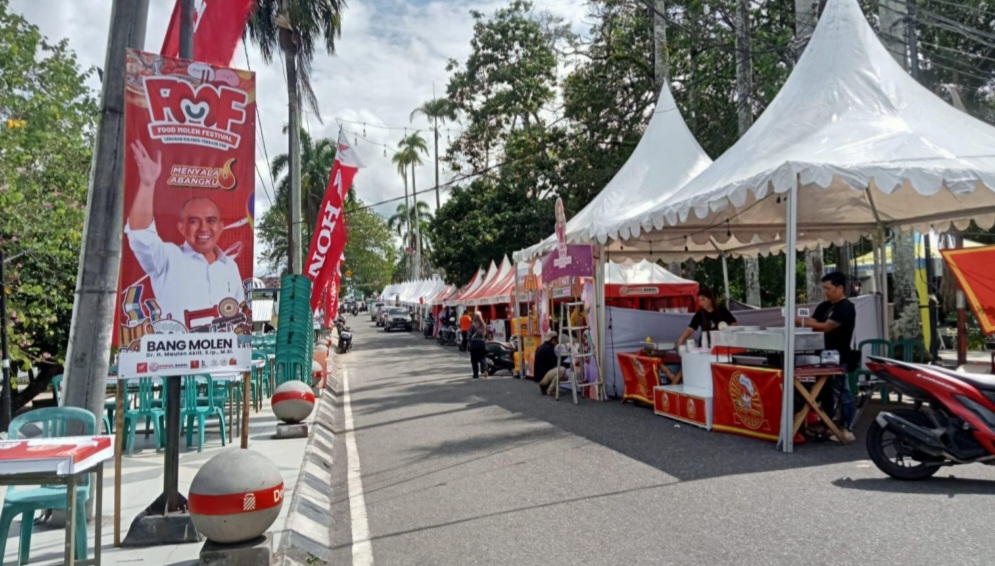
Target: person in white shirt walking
[{"x": 192, "y": 277}]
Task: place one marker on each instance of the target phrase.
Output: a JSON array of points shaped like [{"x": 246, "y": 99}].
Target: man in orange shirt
[{"x": 464, "y": 328}]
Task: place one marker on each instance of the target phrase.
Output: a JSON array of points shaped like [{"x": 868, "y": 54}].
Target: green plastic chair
[
  {"x": 875, "y": 347},
  {"x": 54, "y": 422},
  {"x": 56, "y": 384},
  {"x": 193, "y": 411},
  {"x": 260, "y": 378},
  {"x": 147, "y": 409}
]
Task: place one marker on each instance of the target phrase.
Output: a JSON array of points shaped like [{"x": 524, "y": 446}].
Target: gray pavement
[
  {"x": 142, "y": 481},
  {"x": 460, "y": 471}
]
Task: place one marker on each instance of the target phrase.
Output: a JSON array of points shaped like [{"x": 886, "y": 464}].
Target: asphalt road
[{"x": 458, "y": 471}]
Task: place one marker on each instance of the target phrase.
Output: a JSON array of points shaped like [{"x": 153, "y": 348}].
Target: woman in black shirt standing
[{"x": 708, "y": 317}]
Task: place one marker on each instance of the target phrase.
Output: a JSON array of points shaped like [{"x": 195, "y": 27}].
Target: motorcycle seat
[{"x": 979, "y": 380}]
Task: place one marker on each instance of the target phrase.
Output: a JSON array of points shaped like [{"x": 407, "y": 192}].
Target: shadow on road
[
  {"x": 680, "y": 450},
  {"x": 950, "y": 486}
]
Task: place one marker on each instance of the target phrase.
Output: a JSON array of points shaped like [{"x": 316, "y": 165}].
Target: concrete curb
[{"x": 307, "y": 535}]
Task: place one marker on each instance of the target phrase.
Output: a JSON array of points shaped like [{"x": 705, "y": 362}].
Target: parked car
[{"x": 397, "y": 317}]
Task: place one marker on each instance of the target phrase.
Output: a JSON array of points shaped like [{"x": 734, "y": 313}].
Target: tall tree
[
  {"x": 47, "y": 121},
  {"x": 370, "y": 252},
  {"x": 410, "y": 150},
  {"x": 436, "y": 110},
  {"x": 317, "y": 157},
  {"x": 296, "y": 26}
]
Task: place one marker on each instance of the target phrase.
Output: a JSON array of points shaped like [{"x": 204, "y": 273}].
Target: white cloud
[{"x": 390, "y": 56}]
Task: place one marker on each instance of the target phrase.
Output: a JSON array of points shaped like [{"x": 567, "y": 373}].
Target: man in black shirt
[
  {"x": 546, "y": 361},
  {"x": 836, "y": 317}
]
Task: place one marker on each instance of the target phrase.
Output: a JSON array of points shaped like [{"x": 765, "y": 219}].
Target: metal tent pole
[{"x": 787, "y": 404}]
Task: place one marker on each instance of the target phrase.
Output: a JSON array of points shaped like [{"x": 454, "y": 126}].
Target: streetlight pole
[{"x": 6, "y": 410}]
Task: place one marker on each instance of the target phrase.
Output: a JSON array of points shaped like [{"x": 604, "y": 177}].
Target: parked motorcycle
[
  {"x": 448, "y": 334},
  {"x": 501, "y": 356},
  {"x": 952, "y": 421},
  {"x": 345, "y": 339}
]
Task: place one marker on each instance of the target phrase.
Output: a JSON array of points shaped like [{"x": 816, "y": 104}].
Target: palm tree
[
  {"x": 435, "y": 110},
  {"x": 295, "y": 26},
  {"x": 405, "y": 217},
  {"x": 316, "y": 163},
  {"x": 408, "y": 155}
]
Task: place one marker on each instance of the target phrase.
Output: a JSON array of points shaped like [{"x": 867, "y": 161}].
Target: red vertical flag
[
  {"x": 328, "y": 243},
  {"x": 218, "y": 25}
]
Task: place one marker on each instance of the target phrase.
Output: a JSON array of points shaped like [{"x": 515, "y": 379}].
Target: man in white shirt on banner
[{"x": 195, "y": 276}]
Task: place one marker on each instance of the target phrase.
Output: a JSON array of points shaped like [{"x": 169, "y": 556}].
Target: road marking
[{"x": 362, "y": 550}]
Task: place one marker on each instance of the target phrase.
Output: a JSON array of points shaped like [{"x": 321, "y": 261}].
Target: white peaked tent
[
  {"x": 411, "y": 293},
  {"x": 865, "y": 144},
  {"x": 666, "y": 158},
  {"x": 849, "y": 146}
]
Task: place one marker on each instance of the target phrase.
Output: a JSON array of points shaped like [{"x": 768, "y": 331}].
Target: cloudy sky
[{"x": 390, "y": 56}]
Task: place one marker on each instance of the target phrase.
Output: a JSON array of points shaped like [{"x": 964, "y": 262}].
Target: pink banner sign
[{"x": 574, "y": 260}]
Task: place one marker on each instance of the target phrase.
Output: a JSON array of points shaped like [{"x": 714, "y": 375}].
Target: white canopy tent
[
  {"x": 850, "y": 145},
  {"x": 866, "y": 145},
  {"x": 666, "y": 158},
  {"x": 639, "y": 273}
]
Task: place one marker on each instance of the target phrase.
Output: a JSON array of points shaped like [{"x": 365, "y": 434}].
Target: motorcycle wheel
[{"x": 896, "y": 457}]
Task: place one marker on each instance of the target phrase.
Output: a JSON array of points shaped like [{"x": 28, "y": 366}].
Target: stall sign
[
  {"x": 562, "y": 292},
  {"x": 641, "y": 291},
  {"x": 747, "y": 401},
  {"x": 180, "y": 354},
  {"x": 574, "y": 260}
]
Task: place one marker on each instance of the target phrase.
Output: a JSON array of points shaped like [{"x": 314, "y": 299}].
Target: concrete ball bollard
[
  {"x": 235, "y": 496},
  {"x": 293, "y": 402}
]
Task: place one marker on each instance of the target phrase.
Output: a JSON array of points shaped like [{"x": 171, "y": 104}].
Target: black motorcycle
[
  {"x": 500, "y": 356},
  {"x": 345, "y": 339},
  {"x": 428, "y": 327}
]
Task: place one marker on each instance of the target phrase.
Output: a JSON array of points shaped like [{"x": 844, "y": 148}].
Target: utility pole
[
  {"x": 934, "y": 346},
  {"x": 744, "y": 109},
  {"x": 294, "y": 140},
  {"x": 7, "y": 393},
  {"x": 661, "y": 56},
  {"x": 893, "y": 32},
  {"x": 91, "y": 330}
]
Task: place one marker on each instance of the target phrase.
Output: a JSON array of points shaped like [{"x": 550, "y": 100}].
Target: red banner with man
[
  {"x": 329, "y": 239},
  {"x": 188, "y": 198}
]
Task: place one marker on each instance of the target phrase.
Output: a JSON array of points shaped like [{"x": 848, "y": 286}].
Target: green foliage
[
  {"x": 317, "y": 158},
  {"x": 305, "y": 23},
  {"x": 531, "y": 137},
  {"x": 44, "y": 176},
  {"x": 369, "y": 252}
]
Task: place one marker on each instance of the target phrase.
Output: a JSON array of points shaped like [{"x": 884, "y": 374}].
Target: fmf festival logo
[{"x": 204, "y": 115}]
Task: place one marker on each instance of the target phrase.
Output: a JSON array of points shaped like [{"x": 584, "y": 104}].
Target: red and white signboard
[
  {"x": 181, "y": 354},
  {"x": 188, "y": 199},
  {"x": 62, "y": 456}
]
